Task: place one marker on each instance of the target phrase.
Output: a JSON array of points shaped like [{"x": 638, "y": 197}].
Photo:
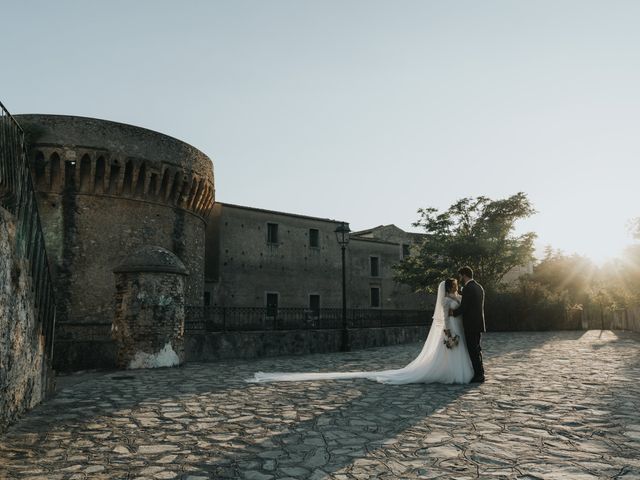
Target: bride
[{"x": 444, "y": 357}]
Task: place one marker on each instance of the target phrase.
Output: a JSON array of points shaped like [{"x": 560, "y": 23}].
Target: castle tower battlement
[{"x": 100, "y": 157}]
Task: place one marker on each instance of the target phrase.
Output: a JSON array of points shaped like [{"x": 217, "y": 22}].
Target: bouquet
[{"x": 450, "y": 341}]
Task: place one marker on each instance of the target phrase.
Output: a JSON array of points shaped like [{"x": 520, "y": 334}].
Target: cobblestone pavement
[{"x": 555, "y": 405}]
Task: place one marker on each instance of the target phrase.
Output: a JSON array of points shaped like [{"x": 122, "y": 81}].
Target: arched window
[
  {"x": 153, "y": 185},
  {"x": 54, "y": 162},
  {"x": 164, "y": 186},
  {"x": 114, "y": 177},
  {"x": 85, "y": 173},
  {"x": 142, "y": 175},
  {"x": 70, "y": 175},
  {"x": 99, "y": 181},
  {"x": 128, "y": 178},
  {"x": 177, "y": 183}
]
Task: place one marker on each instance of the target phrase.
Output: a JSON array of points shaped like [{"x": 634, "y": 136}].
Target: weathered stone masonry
[
  {"x": 241, "y": 266},
  {"x": 149, "y": 323},
  {"x": 23, "y": 369}
]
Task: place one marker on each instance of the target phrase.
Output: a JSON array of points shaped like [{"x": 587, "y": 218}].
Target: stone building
[
  {"x": 513, "y": 275},
  {"x": 104, "y": 190},
  {"x": 258, "y": 258},
  {"x": 393, "y": 234},
  {"x": 396, "y": 245}
]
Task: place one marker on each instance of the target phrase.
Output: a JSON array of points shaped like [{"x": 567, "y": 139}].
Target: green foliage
[
  {"x": 474, "y": 231},
  {"x": 571, "y": 275},
  {"x": 619, "y": 281}
]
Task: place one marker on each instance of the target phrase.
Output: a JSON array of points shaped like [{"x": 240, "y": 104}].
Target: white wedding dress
[{"x": 435, "y": 364}]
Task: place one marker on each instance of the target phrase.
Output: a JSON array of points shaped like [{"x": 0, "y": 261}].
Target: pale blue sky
[{"x": 362, "y": 110}]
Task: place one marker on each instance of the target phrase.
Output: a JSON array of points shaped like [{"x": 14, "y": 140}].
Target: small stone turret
[{"x": 148, "y": 326}]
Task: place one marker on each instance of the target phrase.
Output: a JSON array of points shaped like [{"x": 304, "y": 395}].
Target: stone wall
[
  {"x": 242, "y": 265},
  {"x": 219, "y": 346},
  {"x": 23, "y": 370}
]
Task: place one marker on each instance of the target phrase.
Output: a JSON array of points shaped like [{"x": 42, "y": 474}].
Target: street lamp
[{"x": 342, "y": 236}]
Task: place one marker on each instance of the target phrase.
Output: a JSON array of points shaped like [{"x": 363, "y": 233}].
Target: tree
[
  {"x": 474, "y": 231},
  {"x": 620, "y": 278},
  {"x": 572, "y": 275}
]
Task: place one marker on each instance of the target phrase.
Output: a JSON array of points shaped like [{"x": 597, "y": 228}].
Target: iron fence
[
  {"x": 18, "y": 196},
  {"x": 229, "y": 319}
]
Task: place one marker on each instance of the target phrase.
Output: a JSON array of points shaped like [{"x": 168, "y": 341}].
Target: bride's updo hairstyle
[{"x": 449, "y": 283}]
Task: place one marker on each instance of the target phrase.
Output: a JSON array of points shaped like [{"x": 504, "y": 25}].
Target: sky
[{"x": 362, "y": 110}]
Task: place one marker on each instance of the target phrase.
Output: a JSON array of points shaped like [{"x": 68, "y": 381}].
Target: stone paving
[{"x": 555, "y": 405}]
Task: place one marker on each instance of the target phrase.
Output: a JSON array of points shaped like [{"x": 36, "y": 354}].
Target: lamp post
[
  {"x": 342, "y": 236},
  {"x": 601, "y": 297}
]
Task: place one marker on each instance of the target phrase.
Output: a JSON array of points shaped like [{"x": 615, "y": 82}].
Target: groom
[{"x": 472, "y": 311}]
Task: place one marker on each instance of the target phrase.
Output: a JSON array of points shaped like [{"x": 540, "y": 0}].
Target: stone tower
[{"x": 105, "y": 189}]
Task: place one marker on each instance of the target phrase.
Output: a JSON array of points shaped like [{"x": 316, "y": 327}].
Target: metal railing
[
  {"x": 230, "y": 319},
  {"x": 18, "y": 196}
]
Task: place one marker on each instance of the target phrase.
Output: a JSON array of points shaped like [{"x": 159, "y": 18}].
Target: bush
[{"x": 530, "y": 307}]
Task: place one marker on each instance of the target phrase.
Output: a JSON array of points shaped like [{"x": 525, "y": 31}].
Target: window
[
  {"x": 207, "y": 299},
  {"x": 406, "y": 252},
  {"x": 314, "y": 238},
  {"x": 114, "y": 175},
  {"x": 375, "y": 297},
  {"x": 99, "y": 175},
  {"x": 375, "y": 266},
  {"x": 128, "y": 177},
  {"x": 85, "y": 173},
  {"x": 70, "y": 175},
  {"x": 314, "y": 303},
  {"x": 272, "y": 304},
  {"x": 272, "y": 233}
]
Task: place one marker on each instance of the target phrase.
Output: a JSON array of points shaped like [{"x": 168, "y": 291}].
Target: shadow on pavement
[{"x": 222, "y": 427}]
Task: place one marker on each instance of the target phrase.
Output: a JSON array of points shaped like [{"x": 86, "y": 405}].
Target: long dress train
[{"x": 435, "y": 363}]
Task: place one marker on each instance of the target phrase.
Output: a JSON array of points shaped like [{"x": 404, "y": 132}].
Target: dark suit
[{"x": 472, "y": 311}]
